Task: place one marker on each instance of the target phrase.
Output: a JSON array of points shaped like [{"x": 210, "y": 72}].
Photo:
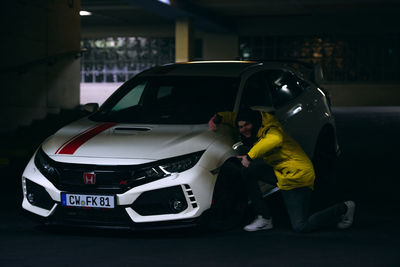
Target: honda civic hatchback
[{"x": 146, "y": 158}]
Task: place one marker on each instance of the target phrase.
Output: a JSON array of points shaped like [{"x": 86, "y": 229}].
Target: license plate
[{"x": 90, "y": 201}]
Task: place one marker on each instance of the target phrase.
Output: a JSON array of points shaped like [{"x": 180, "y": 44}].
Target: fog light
[
  {"x": 169, "y": 200},
  {"x": 31, "y": 198},
  {"x": 177, "y": 205},
  {"x": 38, "y": 196}
]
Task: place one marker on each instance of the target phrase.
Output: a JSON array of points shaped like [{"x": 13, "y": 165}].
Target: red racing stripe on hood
[{"x": 75, "y": 142}]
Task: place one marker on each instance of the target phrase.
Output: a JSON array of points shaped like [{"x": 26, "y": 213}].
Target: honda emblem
[{"x": 89, "y": 177}]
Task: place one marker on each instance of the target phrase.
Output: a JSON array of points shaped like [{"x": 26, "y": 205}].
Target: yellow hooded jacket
[{"x": 291, "y": 165}]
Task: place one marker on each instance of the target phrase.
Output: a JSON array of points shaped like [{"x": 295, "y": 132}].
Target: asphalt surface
[{"x": 367, "y": 172}]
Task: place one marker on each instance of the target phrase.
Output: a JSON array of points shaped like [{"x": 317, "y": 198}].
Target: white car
[{"x": 146, "y": 158}]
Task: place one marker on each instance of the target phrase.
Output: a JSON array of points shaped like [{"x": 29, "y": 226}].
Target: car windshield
[{"x": 169, "y": 100}]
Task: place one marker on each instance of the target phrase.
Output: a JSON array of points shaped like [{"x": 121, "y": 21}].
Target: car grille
[{"x": 108, "y": 179}]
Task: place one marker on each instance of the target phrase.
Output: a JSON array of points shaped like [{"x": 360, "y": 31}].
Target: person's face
[{"x": 245, "y": 128}]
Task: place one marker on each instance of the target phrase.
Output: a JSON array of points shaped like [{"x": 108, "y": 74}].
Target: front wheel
[
  {"x": 229, "y": 199},
  {"x": 225, "y": 213}
]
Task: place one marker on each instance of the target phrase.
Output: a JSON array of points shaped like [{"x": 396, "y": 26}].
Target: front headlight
[
  {"x": 46, "y": 165},
  {"x": 164, "y": 168},
  {"x": 182, "y": 163}
]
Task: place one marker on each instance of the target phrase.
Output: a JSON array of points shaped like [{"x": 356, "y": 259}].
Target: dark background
[{"x": 356, "y": 43}]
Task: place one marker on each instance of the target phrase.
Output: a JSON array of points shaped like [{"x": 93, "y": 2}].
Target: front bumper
[
  {"x": 194, "y": 187},
  {"x": 119, "y": 221}
]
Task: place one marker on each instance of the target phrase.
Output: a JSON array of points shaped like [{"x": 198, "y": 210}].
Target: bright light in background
[
  {"x": 85, "y": 13},
  {"x": 165, "y": 2}
]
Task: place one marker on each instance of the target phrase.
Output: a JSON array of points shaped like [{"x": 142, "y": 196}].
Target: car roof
[{"x": 202, "y": 68}]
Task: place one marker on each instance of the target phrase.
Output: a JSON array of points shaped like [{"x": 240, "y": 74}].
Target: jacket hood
[{"x": 268, "y": 121}]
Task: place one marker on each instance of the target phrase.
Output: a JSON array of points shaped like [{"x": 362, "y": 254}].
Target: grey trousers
[{"x": 297, "y": 201}]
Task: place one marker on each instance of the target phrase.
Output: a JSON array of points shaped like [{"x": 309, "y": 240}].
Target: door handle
[
  {"x": 311, "y": 105},
  {"x": 293, "y": 111}
]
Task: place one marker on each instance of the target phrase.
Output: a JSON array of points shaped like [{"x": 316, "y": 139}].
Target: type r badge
[{"x": 89, "y": 178}]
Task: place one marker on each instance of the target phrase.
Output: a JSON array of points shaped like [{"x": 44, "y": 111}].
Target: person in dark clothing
[{"x": 275, "y": 158}]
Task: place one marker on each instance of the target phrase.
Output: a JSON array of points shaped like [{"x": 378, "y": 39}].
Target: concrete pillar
[
  {"x": 184, "y": 40},
  {"x": 63, "y": 37},
  {"x": 39, "y": 74}
]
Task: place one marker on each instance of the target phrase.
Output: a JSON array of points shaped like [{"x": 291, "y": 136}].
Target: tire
[
  {"x": 325, "y": 158},
  {"x": 221, "y": 216},
  {"x": 228, "y": 206}
]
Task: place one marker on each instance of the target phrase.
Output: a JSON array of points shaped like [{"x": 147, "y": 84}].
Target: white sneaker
[
  {"x": 348, "y": 217},
  {"x": 259, "y": 223}
]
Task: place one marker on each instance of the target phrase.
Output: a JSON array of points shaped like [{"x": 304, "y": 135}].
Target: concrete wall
[
  {"x": 350, "y": 24},
  {"x": 166, "y": 30},
  {"x": 220, "y": 46},
  {"x": 364, "y": 94},
  {"x": 39, "y": 71}
]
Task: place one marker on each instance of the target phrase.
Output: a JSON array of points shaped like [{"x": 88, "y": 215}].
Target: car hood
[{"x": 86, "y": 141}]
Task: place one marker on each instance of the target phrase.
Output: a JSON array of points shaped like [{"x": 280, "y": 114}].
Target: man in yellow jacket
[{"x": 275, "y": 158}]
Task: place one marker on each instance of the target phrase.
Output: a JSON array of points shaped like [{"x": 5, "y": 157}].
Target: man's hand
[
  {"x": 245, "y": 161},
  {"x": 211, "y": 123}
]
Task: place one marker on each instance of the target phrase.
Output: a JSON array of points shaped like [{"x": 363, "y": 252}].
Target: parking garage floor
[{"x": 367, "y": 172}]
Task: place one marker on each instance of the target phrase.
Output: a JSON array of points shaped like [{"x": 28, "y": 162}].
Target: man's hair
[
  {"x": 253, "y": 117},
  {"x": 249, "y": 115}
]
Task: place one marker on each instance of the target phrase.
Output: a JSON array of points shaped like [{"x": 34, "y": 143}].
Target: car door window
[
  {"x": 284, "y": 87},
  {"x": 130, "y": 99},
  {"x": 256, "y": 92}
]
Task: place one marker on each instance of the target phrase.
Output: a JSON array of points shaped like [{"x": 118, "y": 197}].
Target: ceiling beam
[{"x": 179, "y": 10}]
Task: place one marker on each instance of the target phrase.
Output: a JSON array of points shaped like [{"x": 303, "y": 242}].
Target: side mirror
[
  {"x": 90, "y": 107},
  {"x": 240, "y": 148}
]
